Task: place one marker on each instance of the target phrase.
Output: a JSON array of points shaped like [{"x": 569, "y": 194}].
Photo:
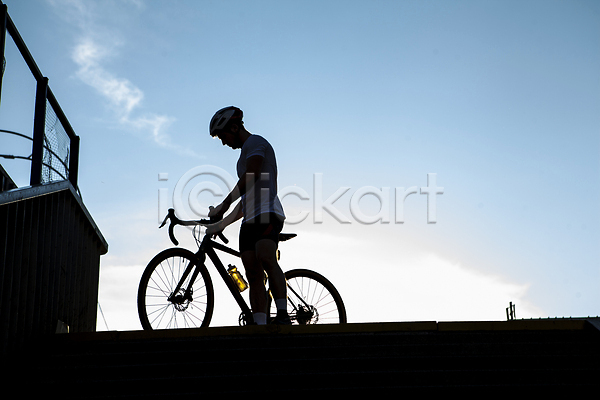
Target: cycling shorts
[{"x": 262, "y": 227}]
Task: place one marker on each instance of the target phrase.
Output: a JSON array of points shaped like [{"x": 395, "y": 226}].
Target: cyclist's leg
[
  {"x": 255, "y": 276},
  {"x": 258, "y": 246},
  {"x": 266, "y": 253}
]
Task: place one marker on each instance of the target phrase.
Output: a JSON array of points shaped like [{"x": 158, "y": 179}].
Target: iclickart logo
[{"x": 207, "y": 185}]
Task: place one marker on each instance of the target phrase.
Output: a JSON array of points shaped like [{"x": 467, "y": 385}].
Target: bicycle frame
[
  {"x": 207, "y": 248},
  {"x": 210, "y": 251}
]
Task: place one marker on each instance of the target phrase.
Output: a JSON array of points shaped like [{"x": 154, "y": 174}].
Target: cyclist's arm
[
  {"x": 246, "y": 181},
  {"x": 233, "y": 216}
]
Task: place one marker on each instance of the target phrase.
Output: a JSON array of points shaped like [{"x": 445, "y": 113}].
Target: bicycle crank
[{"x": 244, "y": 319}]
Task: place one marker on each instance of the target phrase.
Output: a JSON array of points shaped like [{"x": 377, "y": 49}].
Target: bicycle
[{"x": 176, "y": 289}]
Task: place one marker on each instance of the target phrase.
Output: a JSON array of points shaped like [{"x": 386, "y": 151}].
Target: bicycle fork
[{"x": 179, "y": 297}]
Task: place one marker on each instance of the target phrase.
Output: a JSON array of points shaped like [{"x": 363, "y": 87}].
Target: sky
[{"x": 493, "y": 105}]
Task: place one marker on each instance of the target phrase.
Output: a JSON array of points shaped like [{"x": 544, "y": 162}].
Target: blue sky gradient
[{"x": 500, "y": 99}]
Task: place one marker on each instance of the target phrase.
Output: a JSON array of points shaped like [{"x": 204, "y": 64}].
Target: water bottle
[{"x": 237, "y": 278}]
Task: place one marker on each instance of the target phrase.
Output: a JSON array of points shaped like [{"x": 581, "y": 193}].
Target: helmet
[{"x": 222, "y": 118}]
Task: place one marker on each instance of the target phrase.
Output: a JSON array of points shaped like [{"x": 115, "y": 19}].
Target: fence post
[
  {"x": 39, "y": 131},
  {"x": 3, "y": 14},
  {"x": 74, "y": 160}
]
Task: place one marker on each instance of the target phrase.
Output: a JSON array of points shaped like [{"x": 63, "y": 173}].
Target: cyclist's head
[{"x": 223, "y": 118}]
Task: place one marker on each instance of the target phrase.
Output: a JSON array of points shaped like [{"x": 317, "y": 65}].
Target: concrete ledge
[
  {"x": 351, "y": 328},
  {"x": 515, "y": 325}
]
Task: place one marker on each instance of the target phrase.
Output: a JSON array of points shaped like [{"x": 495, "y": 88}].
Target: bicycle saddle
[{"x": 286, "y": 236}]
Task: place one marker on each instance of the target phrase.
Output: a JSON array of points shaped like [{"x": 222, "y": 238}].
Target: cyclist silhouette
[{"x": 260, "y": 209}]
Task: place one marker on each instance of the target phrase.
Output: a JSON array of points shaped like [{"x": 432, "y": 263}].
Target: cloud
[
  {"x": 379, "y": 279},
  {"x": 123, "y": 97},
  {"x": 384, "y": 278},
  {"x": 443, "y": 290}
]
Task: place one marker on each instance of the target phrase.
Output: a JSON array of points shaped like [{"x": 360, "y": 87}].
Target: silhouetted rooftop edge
[{"x": 368, "y": 327}]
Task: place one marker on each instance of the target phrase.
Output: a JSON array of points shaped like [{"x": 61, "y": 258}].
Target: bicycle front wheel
[
  {"x": 313, "y": 299},
  {"x": 159, "y": 307}
]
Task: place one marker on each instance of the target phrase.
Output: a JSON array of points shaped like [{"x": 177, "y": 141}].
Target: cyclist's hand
[
  {"x": 215, "y": 229},
  {"x": 216, "y": 213}
]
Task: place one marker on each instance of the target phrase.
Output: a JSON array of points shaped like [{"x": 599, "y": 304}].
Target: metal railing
[{"x": 55, "y": 146}]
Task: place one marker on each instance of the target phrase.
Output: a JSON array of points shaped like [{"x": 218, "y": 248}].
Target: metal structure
[
  {"x": 49, "y": 264},
  {"x": 55, "y": 147},
  {"x": 50, "y": 246}
]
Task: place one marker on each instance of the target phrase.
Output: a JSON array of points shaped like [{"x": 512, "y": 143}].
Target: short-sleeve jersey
[{"x": 262, "y": 197}]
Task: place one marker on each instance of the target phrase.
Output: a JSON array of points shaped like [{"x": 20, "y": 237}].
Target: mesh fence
[
  {"x": 55, "y": 160},
  {"x": 59, "y": 143}
]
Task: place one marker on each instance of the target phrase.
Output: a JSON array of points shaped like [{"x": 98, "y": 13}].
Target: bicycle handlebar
[{"x": 176, "y": 221}]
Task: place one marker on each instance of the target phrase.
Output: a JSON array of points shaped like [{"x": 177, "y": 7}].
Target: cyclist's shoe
[{"x": 281, "y": 319}]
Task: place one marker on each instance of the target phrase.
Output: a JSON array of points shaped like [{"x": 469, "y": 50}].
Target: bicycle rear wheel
[
  {"x": 312, "y": 299},
  {"x": 159, "y": 307}
]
